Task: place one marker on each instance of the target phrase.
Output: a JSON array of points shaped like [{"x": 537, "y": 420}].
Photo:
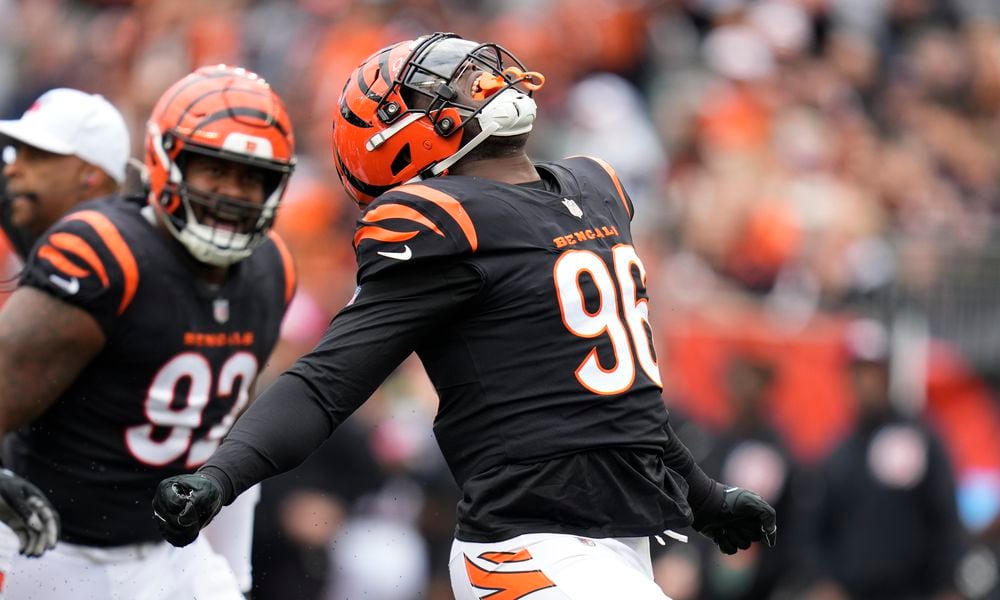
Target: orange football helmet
[
  {"x": 231, "y": 114},
  {"x": 401, "y": 110}
]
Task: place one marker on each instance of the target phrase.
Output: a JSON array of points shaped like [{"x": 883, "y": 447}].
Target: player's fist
[
  {"x": 184, "y": 504},
  {"x": 26, "y": 510},
  {"x": 736, "y": 519}
]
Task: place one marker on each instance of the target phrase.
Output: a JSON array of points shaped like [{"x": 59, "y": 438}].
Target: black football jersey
[
  {"x": 527, "y": 306},
  {"x": 175, "y": 372},
  {"x": 557, "y": 355}
]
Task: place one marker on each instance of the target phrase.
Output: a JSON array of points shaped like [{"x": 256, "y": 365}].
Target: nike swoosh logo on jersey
[
  {"x": 70, "y": 286},
  {"x": 403, "y": 254}
]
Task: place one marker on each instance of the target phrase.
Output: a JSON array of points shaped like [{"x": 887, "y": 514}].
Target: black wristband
[
  {"x": 701, "y": 487},
  {"x": 219, "y": 476}
]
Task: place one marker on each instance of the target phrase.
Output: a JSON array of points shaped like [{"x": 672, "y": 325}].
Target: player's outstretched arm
[
  {"x": 26, "y": 510},
  {"x": 184, "y": 504}
]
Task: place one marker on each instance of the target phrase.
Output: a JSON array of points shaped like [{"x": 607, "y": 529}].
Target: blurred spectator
[
  {"x": 751, "y": 452},
  {"x": 886, "y": 523},
  {"x": 797, "y": 161},
  {"x": 302, "y": 510}
]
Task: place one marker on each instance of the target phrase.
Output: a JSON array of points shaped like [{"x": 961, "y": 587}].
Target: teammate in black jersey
[
  {"x": 67, "y": 148},
  {"x": 518, "y": 286},
  {"x": 136, "y": 334}
]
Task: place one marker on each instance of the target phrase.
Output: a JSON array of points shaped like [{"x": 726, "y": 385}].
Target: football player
[
  {"x": 135, "y": 336},
  {"x": 517, "y": 285},
  {"x": 67, "y": 148}
]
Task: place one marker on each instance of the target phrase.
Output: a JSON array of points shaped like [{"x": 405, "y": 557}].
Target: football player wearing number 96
[
  {"x": 517, "y": 285},
  {"x": 135, "y": 336}
]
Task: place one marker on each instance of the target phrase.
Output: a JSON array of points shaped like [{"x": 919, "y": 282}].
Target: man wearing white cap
[
  {"x": 139, "y": 324},
  {"x": 68, "y": 147}
]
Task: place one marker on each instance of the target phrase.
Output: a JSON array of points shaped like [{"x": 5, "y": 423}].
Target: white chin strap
[
  {"x": 510, "y": 113},
  {"x": 199, "y": 240}
]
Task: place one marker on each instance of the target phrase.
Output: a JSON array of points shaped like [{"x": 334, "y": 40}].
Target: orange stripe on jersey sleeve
[
  {"x": 59, "y": 261},
  {"x": 614, "y": 177},
  {"x": 113, "y": 239},
  {"x": 450, "y": 205},
  {"x": 78, "y": 246},
  {"x": 287, "y": 263},
  {"x": 398, "y": 211},
  {"x": 372, "y": 232}
]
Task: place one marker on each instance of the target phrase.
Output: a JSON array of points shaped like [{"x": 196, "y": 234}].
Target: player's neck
[{"x": 508, "y": 169}]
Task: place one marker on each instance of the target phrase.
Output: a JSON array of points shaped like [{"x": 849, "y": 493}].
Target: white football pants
[
  {"x": 553, "y": 566},
  {"x": 231, "y": 534},
  {"x": 152, "y": 571}
]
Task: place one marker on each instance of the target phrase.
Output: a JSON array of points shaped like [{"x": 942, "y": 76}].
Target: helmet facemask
[
  {"x": 228, "y": 121},
  {"x": 217, "y": 229},
  {"x": 484, "y": 84},
  {"x": 404, "y": 113}
]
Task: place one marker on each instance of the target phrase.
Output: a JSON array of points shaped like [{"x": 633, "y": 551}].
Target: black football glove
[
  {"x": 736, "y": 520},
  {"x": 184, "y": 504},
  {"x": 26, "y": 510}
]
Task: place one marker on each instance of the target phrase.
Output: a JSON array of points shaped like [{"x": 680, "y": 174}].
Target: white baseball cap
[{"x": 65, "y": 121}]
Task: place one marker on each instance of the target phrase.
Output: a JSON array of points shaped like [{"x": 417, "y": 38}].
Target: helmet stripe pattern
[
  {"x": 239, "y": 111},
  {"x": 196, "y": 100},
  {"x": 222, "y": 113},
  {"x": 383, "y": 69},
  {"x": 192, "y": 81},
  {"x": 368, "y": 189},
  {"x": 402, "y": 111},
  {"x": 351, "y": 117}
]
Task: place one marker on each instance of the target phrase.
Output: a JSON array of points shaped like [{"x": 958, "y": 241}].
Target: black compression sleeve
[
  {"x": 262, "y": 444},
  {"x": 364, "y": 343},
  {"x": 678, "y": 457}
]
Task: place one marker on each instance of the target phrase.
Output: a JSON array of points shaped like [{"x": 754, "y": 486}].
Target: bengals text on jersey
[
  {"x": 175, "y": 372},
  {"x": 527, "y": 306}
]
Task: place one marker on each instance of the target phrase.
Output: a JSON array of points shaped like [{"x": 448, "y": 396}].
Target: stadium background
[{"x": 796, "y": 165}]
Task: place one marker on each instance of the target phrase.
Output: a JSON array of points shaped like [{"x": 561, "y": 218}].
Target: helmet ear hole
[{"x": 402, "y": 160}]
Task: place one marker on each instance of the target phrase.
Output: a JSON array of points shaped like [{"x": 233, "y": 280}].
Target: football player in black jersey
[
  {"x": 135, "y": 336},
  {"x": 67, "y": 148},
  {"x": 517, "y": 285}
]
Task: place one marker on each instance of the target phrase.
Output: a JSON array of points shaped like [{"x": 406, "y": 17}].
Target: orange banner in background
[{"x": 812, "y": 406}]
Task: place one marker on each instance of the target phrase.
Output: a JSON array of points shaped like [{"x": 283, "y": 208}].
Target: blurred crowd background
[{"x": 817, "y": 186}]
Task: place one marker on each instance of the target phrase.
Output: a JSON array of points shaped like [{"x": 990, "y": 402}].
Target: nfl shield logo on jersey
[
  {"x": 573, "y": 207},
  {"x": 220, "y": 310}
]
